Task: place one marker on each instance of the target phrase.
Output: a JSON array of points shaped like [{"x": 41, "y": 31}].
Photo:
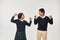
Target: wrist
[{"x": 13, "y": 16}]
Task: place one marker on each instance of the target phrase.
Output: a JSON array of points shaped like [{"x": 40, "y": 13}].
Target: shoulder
[
  {"x": 25, "y": 21},
  {"x": 38, "y": 17},
  {"x": 46, "y": 16},
  {"x": 16, "y": 19}
]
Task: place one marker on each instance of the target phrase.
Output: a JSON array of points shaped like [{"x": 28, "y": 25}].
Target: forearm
[
  {"x": 51, "y": 21},
  {"x": 35, "y": 21},
  {"x": 30, "y": 23},
  {"x": 12, "y": 19}
]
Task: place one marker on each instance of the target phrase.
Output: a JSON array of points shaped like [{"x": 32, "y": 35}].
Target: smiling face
[
  {"x": 22, "y": 17},
  {"x": 41, "y": 12}
]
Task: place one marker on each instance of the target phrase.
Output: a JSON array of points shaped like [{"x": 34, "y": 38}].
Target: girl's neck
[{"x": 21, "y": 19}]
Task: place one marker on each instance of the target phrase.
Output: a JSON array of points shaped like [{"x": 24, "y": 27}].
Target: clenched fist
[
  {"x": 50, "y": 17},
  {"x": 35, "y": 17},
  {"x": 30, "y": 19},
  {"x": 15, "y": 14}
]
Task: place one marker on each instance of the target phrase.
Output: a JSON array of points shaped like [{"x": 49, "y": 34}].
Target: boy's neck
[{"x": 42, "y": 16}]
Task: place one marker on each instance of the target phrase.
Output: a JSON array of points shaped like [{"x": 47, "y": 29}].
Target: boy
[
  {"x": 42, "y": 22},
  {"x": 20, "y": 22}
]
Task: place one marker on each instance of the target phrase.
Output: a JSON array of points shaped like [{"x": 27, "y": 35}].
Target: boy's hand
[
  {"x": 30, "y": 19},
  {"x": 50, "y": 17},
  {"x": 15, "y": 14},
  {"x": 35, "y": 17}
]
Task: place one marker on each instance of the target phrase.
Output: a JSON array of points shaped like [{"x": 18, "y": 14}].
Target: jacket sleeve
[
  {"x": 50, "y": 20},
  {"x": 28, "y": 24},
  {"x": 35, "y": 21},
  {"x": 12, "y": 20}
]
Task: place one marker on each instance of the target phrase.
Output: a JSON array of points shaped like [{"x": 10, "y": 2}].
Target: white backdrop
[{"x": 29, "y": 8}]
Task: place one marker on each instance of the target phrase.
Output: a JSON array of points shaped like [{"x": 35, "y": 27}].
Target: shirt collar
[
  {"x": 43, "y": 16},
  {"x": 21, "y": 20}
]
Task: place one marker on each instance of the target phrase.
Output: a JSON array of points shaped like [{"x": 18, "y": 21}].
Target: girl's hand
[
  {"x": 15, "y": 14},
  {"x": 30, "y": 19},
  {"x": 35, "y": 17}
]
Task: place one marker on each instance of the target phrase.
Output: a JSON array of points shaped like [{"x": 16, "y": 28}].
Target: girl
[{"x": 20, "y": 22}]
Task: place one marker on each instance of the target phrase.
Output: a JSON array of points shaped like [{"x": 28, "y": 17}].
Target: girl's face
[{"x": 22, "y": 17}]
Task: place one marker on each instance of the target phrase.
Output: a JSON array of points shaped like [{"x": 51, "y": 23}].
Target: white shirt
[
  {"x": 42, "y": 16},
  {"x": 21, "y": 20}
]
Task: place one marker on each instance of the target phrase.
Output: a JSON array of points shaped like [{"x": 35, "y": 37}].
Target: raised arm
[
  {"x": 50, "y": 20},
  {"x": 28, "y": 24},
  {"x": 12, "y": 19},
  {"x": 35, "y": 20}
]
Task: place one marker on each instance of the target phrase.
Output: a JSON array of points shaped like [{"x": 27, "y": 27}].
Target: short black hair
[
  {"x": 20, "y": 15},
  {"x": 42, "y": 10}
]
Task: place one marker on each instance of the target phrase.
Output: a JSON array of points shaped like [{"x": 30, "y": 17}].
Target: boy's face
[
  {"x": 23, "y": 16},
  {"x": 41, "y": 13}
]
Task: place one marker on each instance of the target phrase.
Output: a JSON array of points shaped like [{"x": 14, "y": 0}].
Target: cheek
[
  {"x": 22, "y": 16},
  {"x": 41, "y": 14}
]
